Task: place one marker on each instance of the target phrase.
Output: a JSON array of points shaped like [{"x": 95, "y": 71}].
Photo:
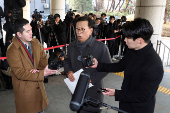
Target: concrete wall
[{"x": 152, "y": 10}]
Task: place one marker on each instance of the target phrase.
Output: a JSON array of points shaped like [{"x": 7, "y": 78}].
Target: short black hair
[
  {"x": 77, "y": 16},
  {"x": 138, "y": 28},
  {"x": 18, "y": 25},
  {"x": 118, "y": 21},
  {"x": 56, "y": 15},
  {"x": 112, "y": 17},
  {"x": 91, "y": 14},
  {"x": 88, "y": 19},
  {"x": 98, "y": 19},
  {"x": 124, "y": 18},
  {"x": 103, "y": 14}
]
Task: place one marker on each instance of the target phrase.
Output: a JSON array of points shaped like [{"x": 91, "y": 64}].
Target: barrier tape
[
  {"x": 108, "y": 39},
  {"x": 2, "y": 58}
]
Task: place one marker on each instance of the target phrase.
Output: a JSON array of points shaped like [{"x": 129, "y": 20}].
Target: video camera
[
  {"x": 15, "y": 13},
  {"x": 87, "y": 61},
  {"x": 38, "y": 15},
  {"x": 51, "y": 20},
  {"x": 69, "y": 15}
]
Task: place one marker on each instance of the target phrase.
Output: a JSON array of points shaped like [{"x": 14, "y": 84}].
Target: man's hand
[
  {"x": 56, "y": 22},
  {"x": 70, "y": 76},
  {"x": 115, "y": 31},
  {"x": 34, "y": 70},
  {"x": 95, "y": 63},
  {"x": 48, "y": 71},
  {"x": 109, "y": 92}
]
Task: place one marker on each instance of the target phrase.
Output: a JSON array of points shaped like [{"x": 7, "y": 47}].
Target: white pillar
[
  {"x": 26, "y": 11},
  {"x": 58, "y": 6},
  {"x": 152, "y": 10}
]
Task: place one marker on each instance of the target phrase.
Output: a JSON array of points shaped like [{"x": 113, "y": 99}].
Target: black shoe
[{"x": 45, "y": 80}]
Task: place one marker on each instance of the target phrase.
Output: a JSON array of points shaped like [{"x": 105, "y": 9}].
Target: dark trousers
[
  {"x": 112, "y": 47},
  {"x": 123, "y": 47},
  {"x": 136, "y": 109}
]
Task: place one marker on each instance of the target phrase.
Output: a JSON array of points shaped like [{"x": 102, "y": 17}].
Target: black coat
[
  {"x": 110, "y": 30},
  {"x": 34, "y": 27},
  {"x": 143, "y": 72},
  {"x": 100, "y": 51},
  {"x": 15, "y": 4},
  {"x": 60, "y": 31},
  {"x": 43, "y": 31}
]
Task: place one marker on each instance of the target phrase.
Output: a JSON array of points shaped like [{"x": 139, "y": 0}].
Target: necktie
[{"x": 28, "y": 48}]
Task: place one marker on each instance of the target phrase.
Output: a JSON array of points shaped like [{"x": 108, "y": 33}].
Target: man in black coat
[
  {"x": 60, "y": 30},
  {"x": 143, "y": 70},
  {"x": 111, "y": 32},
  {"x": 83, "y": 46}
]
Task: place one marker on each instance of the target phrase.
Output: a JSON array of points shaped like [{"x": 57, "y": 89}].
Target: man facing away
[
  {"x": 28, "y": 62},
  {"x": 143, "y": 70}
]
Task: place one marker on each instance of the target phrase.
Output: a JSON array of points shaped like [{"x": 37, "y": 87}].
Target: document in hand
[{"x": 72, "y": 85}]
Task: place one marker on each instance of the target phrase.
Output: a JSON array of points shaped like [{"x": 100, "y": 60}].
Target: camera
[
  {"x": 15, "y": 14},
  {"x": 55, "y": 64},
  {"x": 62, "y": 54},
  {"x": 69, "y": 15},
  {"x": 37, "y": 14},
  {"x": 87, "y": 61},
  {"x": 51, "y": 20}
]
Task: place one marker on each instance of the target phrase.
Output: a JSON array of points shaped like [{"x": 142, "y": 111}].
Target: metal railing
[{"x": 164, "y": 52}]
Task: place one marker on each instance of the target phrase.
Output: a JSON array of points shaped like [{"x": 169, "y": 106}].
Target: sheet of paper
[{"x": 72, "y": 85}]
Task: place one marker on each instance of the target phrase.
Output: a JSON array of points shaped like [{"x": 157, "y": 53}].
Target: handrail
[{"x": 165, "y": 47}]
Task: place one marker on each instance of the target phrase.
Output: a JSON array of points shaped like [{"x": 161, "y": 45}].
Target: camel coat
[{"x": 29, "y": 90}]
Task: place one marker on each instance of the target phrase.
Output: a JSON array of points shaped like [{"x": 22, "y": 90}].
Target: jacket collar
[
  {"x": 141, "y": 52},
  {"x": 18, "y": 45},
  {"x": 89, "y": 44}
]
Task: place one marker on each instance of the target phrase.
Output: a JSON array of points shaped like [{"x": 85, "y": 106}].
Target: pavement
[{"x": 59, "y": 95}]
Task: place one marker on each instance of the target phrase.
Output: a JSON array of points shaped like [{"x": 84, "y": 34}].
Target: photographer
[
  {"x": 95, "y": 28},
  {"x": 33, "y": 24},
  {"x": 103, "y": 24},
  {"x": 83, "y": 46},
  {"x": 40, "y": 31},
  {"x": 70, "y": 22},
  {"x": 60, "y": 30},
  {"x": 8, "y": 26},
  {"x": 111, "y": 32},
  {"x": 99, "y": 26}
]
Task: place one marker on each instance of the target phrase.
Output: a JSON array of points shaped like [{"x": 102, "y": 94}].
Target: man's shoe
[{"x": 45, "y": 80}]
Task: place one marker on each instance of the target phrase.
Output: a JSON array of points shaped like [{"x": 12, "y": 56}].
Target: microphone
[{"x": 80, "y": 91}]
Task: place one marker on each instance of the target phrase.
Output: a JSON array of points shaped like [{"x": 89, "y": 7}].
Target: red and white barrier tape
[{"x": 1, "y": 58}]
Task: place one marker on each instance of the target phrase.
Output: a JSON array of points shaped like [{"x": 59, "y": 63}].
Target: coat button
[{"x": 38, "y": 87}]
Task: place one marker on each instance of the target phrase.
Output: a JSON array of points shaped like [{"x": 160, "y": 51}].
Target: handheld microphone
[{"x": 80, "y": 91}]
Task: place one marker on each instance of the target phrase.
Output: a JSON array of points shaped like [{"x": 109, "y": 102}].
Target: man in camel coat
[{"x": 28, "y": 64}]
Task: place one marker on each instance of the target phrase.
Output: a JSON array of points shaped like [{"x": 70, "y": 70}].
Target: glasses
[{"x": 81, "y": 30}]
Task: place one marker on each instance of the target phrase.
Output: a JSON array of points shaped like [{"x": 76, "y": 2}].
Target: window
[{"x": 43, "y": 1}]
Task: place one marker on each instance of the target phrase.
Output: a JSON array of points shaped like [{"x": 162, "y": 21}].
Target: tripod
[
  {"x": 69, "y": 33},
  {"x": 52, "y": 39}
]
